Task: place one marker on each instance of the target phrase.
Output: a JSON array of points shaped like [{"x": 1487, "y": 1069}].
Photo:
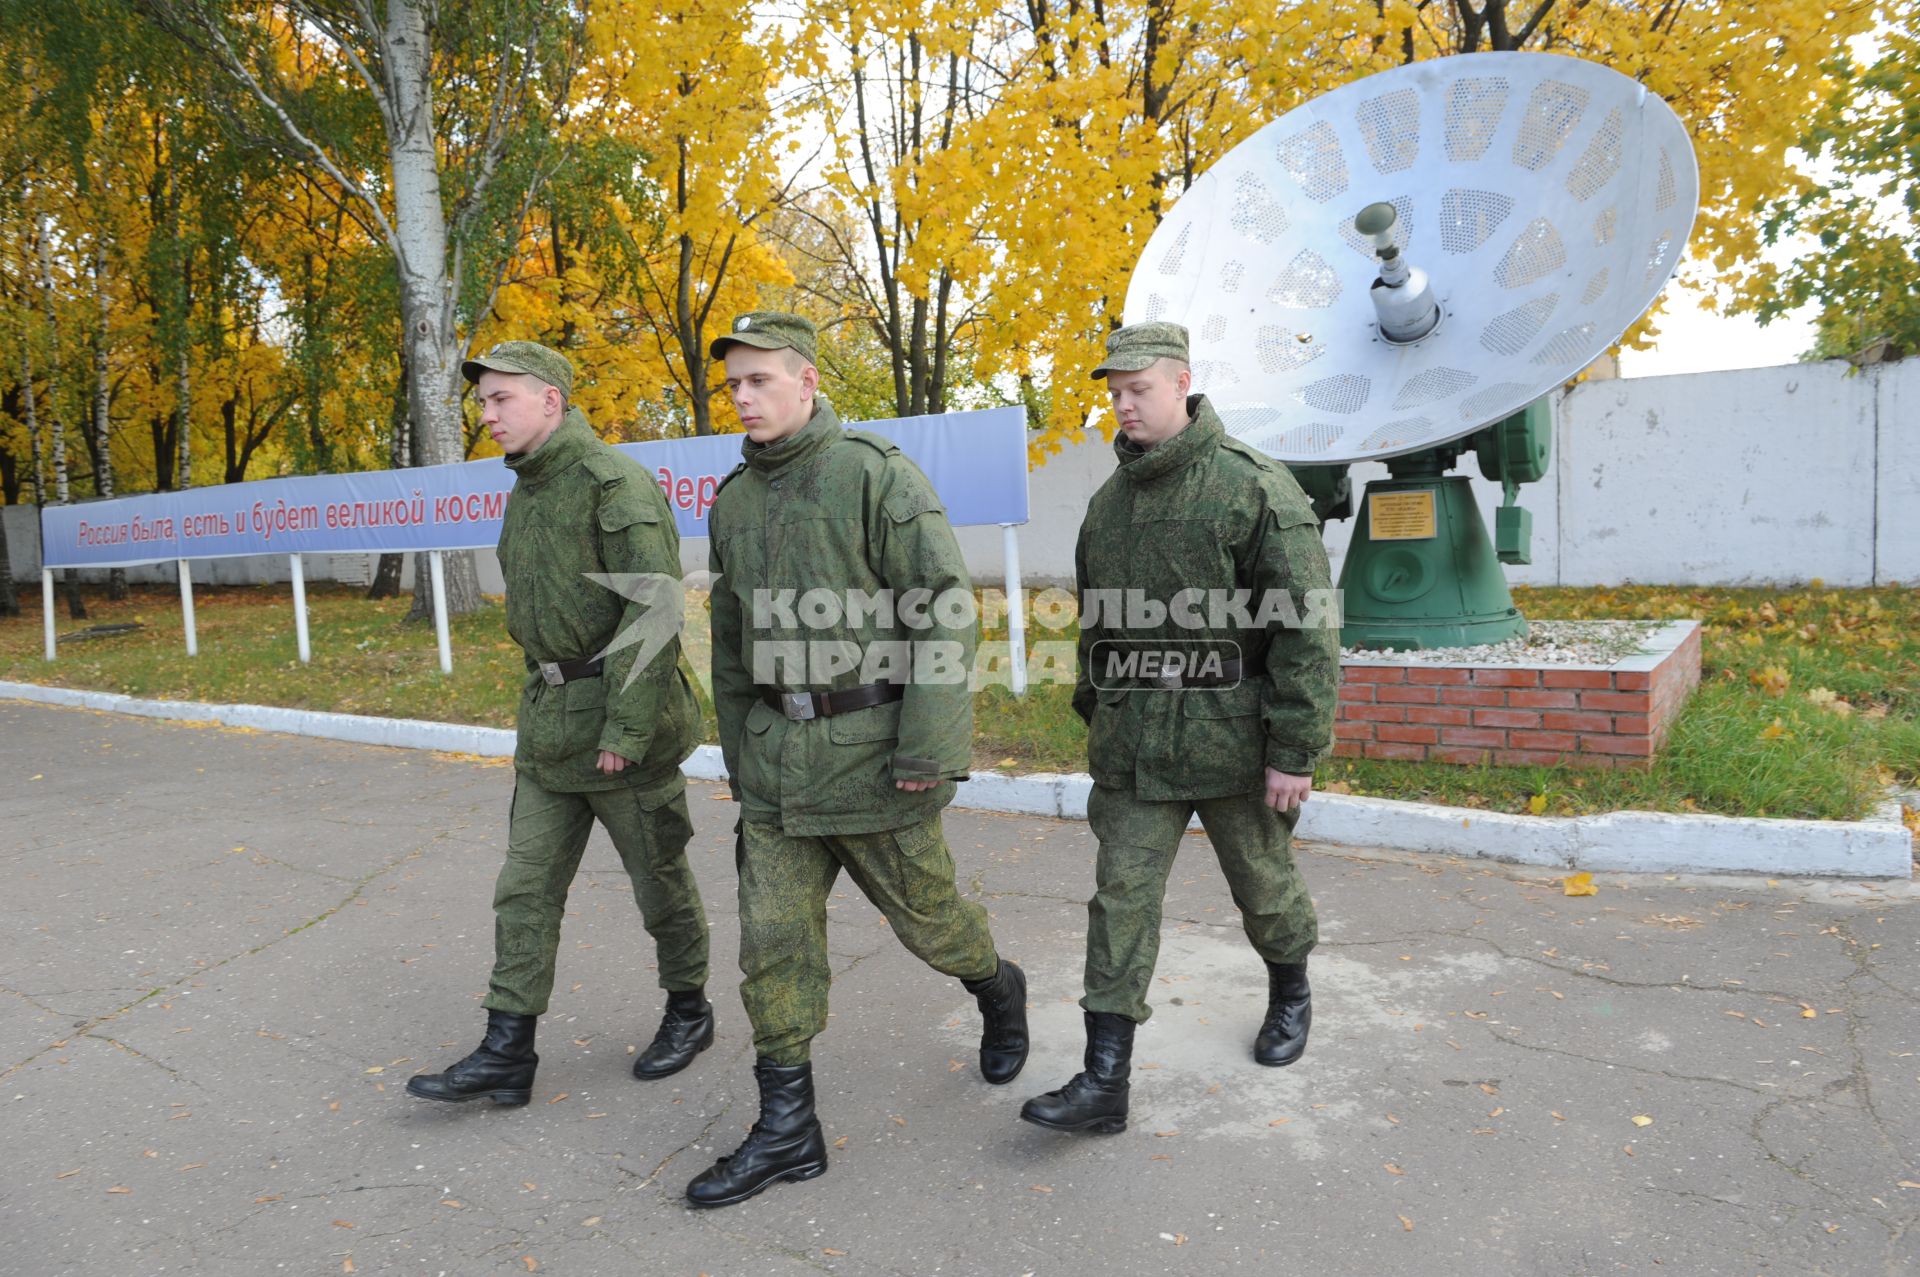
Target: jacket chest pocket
[
  {"x": 808, "y": 547},
  {"x": 743, "y": 562}
]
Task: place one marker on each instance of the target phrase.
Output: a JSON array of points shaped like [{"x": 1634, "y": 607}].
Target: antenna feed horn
[{"x": 1402, "y": 295}]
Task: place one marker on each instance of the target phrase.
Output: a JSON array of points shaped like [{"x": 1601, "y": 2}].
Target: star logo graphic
[{"x": 663, "y": 610}]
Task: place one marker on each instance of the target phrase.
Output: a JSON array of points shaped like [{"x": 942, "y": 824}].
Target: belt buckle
[
  {"x": 550, "y": 670},
  {"x": 1168, "y": 680},
  {"x": 797, "y": 706}
]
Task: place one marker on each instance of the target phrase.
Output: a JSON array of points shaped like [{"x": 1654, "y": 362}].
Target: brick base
[{"x": 1518, "y": 715}]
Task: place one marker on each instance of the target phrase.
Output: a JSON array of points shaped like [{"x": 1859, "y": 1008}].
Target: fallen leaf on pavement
[
  {"x": 1391, "y": 1169},
  {"x": 119, "y": 1188},
  {"x": 1580, "y": 884},
  {"x": 1406, "y": 1224},
  {"x": 1640, "y": 1119},
  {"x": 556, "y": 1099}
]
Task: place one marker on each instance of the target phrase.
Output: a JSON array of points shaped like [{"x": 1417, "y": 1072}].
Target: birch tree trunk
[
  {"x": 420, "y": 228},
  {"x": 103, "y": 404},
  {"x": 76, "y": 607},
  {"x": 386, "y": 576}
]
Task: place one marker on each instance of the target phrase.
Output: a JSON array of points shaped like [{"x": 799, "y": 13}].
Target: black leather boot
[
  {"x": 500, "y": 1069},
  {"x": 1283, "y": 1034},
  {"x": 785, "y": 1143},
  {"x": 685, "y": 1031},
  {"x": 1003, "y": 1011},
  {"x": 1095, "y": 1100}
]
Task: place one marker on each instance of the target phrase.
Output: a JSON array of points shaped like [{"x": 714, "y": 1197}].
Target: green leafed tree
[
  {"x": 1863, "y": 270},
  {"x": 434, "y": 125}
]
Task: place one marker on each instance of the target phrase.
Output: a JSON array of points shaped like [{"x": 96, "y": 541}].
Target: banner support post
[
  {"x": 186, "y": 608},
  {"x": 1016, "y": 608},
  {"x": 300, "y": 608},
  {"x": 46, "y": 608},
  {"x": 440, "y": 610}
]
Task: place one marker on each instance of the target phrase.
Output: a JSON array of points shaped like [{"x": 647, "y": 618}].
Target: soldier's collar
[
  {"x": 771, "y": 459},
  {"x": 566, "y": 445},
  {"x": 1201, "y": 436}
]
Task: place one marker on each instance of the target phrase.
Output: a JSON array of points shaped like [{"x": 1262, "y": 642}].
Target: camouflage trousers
[
  {"x": 1138, "y": 841},
  {"x": 548, "y": 832},
  {"x": 784, "y": 883}
]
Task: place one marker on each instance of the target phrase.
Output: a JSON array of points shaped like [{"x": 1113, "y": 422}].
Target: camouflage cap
[
  {"x": 1137, "y": 346},
  {"x": 528, "y": 357},
  {"x": 768, "y": 330}
]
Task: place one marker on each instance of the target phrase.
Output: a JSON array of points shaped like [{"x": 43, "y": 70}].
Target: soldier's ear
[{"x": 809, "y": 380}]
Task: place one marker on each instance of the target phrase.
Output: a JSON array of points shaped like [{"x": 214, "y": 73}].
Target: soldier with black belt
[
  {"x": 1209, "y": 662},
  {"x": 603, "y": 726},
  {"x": 845, "y": 718}
]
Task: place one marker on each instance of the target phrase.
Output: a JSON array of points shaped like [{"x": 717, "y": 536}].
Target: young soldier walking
[
  {"x": 841, "y": 751},
  {"x": 1207, "y": 681},
  {"x": 598, "y": 738}
]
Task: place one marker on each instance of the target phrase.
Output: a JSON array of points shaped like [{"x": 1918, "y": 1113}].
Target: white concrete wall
[{"x": 1763, "y": 475}]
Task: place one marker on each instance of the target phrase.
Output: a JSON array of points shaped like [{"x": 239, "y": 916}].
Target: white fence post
[
  {"x": 186, "y": 608},
  {"x": 1016, "y": 608},
  {"x": 300, "y": 608},
  {"x": 46, "y": 608},
  {"x": 440, "y": 610}
]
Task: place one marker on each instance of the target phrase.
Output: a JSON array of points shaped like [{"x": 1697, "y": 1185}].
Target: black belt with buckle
[
  {"x": 558, "y": 672},
  {"x": 801, "y": 706},
  {"x": 1230, "y": 673}
]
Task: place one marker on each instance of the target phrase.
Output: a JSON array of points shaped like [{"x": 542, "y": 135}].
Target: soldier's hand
[
  {"x": 1285, "y": 792},
  {"x": 610, "y": 762},
  {"x": 914, "y": 786}
]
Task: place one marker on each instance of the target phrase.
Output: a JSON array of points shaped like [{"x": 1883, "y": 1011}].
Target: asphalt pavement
[{"x": 223, "y": 952}]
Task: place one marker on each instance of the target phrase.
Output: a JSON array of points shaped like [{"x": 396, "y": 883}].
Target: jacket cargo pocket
[
  {"x": 1219, "y": 745},
  {"x": 759, "y": 760},
  {"x": 1112, "y": 736},
  {"x": 861, "y": 726}
]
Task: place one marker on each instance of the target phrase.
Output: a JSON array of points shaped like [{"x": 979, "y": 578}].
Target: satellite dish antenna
[{"x": 1399, "y": 271}]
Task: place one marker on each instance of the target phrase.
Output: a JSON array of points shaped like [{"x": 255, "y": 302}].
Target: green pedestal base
[{"x": 1422, "y": 571}]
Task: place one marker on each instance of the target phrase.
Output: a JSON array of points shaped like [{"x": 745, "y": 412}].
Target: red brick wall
[{"x": 1511, "y": 716}]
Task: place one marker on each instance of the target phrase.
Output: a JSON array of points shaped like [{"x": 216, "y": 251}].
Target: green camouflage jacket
[
  {"x": 1190, "y": 522},
  {"x": 832, "y": 511},
  {"x": 578, "y": 507}
]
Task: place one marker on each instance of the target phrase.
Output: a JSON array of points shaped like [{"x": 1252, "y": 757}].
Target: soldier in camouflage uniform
[
  {"x": 844, "y": 729},
  {"x": 1229, "y": 724},
  {"x": 604, "y": 721}
]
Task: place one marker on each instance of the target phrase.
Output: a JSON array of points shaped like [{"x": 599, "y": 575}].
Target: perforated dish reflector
[{"x": 1548, "y": 198}]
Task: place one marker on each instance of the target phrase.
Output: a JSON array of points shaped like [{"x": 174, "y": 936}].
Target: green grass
[{"x": 1760, "y": 737}]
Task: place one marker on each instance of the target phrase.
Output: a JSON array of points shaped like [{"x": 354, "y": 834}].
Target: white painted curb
[{"x": 1632, "y": 841}]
